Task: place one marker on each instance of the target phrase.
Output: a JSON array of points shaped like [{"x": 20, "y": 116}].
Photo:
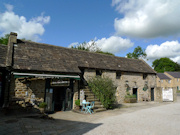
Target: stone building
[
  {"x": 40, "y": 72},
  {"x": 175, "y": 79},
  {"x": 163, "y": 80},
  {"x": 167, "y": 84}
]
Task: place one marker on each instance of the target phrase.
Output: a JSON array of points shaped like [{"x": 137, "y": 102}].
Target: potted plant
[
  {"x": 77, "y": 103},
  {"x": 130, "y": 98},
  {"x": 42, "y": 106}
]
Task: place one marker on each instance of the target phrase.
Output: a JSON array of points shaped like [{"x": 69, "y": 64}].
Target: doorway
[
  {"x": 62, "y": 98},
  {"x": 152, "y": 94},
  {"x": 135, "y": 92}
]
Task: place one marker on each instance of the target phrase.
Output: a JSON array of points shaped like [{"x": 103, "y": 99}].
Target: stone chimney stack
[
  {"x": 13, "y": 37},
  {"x": 12, "y": 40}
]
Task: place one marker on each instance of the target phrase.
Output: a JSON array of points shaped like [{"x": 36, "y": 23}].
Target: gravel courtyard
[{"x": 147, "y": 118}]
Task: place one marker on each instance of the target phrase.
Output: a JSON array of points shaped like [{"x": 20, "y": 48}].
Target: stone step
[
  {"x": 96, "y": 102},
  {"x": 89, "y": 93},
  {"x": 86, "y": 90},
  {"x": 92, "y": 99},
  {"x": 99, "y": 109},
  {"x": 98, "y": 106}
]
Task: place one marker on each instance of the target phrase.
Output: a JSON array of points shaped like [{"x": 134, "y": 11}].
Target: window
[
  {"x": 161, "y": 81},
  {"x": 98, "y": 72},
  {"x": 144, "y": 76},
  {"x": 169, "y": 81},
  {"x": 177, "y": 79},
  {"x": 118, "y": 75}
]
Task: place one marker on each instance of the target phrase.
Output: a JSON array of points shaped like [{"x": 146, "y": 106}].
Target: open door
[
  {"x": 152, "y": 94},
  {"x": 135, "y": 92}
]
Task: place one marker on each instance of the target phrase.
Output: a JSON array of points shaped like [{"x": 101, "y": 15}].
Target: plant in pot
[
  {"x": 130, "y": 98},
  {"x": 42, "y": 106},
  {"x": 77, "y": 103}
]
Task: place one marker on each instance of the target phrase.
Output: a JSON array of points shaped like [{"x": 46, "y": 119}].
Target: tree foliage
[
  {"x": 4, "y": 40},
  {"x": 104, "y": 89},
  {"x": 90, "y": 47},
  {"x": 137, "y": 53},
  {"x": 165, "y": 64}
]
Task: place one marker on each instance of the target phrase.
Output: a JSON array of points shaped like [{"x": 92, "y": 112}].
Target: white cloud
[
  {"x": 147, "y": 18},
  {"x": 10, "y": 22},
  {"x": 9, "y": 7},
  {"x": 170, "y": 49},
  {"x": 114, "y": 44}
]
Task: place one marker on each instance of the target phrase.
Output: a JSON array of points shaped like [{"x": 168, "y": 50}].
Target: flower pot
[{"x": 130, "y": 100}]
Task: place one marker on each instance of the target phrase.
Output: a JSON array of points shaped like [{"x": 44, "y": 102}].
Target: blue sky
[{"x": 117, "y": 26}]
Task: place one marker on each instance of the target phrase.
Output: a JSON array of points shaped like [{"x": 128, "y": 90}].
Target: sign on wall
[
  {"x": 167, "y": 94},
  {"x": 60, "y": 82},
  {"x": 81, "y": 96}
]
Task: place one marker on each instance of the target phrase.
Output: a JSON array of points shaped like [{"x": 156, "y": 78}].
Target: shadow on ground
[{"x": 34, "y": 123}]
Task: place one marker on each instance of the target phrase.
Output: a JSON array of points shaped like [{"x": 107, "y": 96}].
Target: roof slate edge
[
  {"x": 76, "y": 49},
  {"x": 31, "y": 42}
]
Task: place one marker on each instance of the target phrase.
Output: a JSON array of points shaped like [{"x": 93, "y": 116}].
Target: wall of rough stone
[
  {"x": 88, "y": 73},
  {"x": 159, "y": 94},
  {"x": 75, "y": 96},
  {"x": 135, "y": 80},
  {"x": 29, "y": 90}
]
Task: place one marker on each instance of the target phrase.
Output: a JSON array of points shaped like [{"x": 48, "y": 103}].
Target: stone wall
[
  {"x": 159, "y": 95},
  {"x": 29, "y": 90},
  {"x": 75, "y": 96},
  {"x": 135, "y": 80}
]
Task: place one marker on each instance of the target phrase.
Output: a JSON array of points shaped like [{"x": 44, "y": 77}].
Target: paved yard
[{"x": 142, "y": 118}]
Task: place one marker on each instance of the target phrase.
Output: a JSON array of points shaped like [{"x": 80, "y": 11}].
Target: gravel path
[{"x": 159, "y": 120}]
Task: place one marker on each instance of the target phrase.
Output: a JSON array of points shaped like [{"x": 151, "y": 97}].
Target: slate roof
[
  {"x": 174, "y": 74},
  {"x": 162, "y": 76},
  {"x": 3, "y": 53},
  {"x": 43, "y": 57}
]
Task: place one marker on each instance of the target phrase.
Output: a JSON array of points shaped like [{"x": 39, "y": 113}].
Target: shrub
[
  {"x": 42, "y": 105},
  {"x": 77, "y": 102},
  {"x": 104, "y": 89},
  {"x": 130, "y": 96}
]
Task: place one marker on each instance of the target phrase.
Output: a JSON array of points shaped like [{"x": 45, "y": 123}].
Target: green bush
[
  {"x": 130, "y": 96},
  {"x": 104, "y": 89},
  {"x": 42, "y": 105},
  {"x": 77, "y": 102}
]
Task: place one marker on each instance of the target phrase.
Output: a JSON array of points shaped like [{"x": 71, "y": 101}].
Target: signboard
[
  {"x": 167, "y": 94},
  {"x": 81, "y": 96},
  {"x": 60, "y": 82}
]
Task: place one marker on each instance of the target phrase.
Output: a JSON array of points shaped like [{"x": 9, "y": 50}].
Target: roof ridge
[
  {"x": 148, "y": 65},
  {"x": 78, "y": 50}
]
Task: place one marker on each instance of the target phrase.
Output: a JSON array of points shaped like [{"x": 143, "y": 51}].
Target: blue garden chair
[
  {"x": 90, "y": 108},
  {"x": 83, "y": 107}
]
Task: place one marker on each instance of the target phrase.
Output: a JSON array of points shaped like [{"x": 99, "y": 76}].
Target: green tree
[
  {"x": 165, "y": 64},
  {"x": 137, "y": 53},
  {"x": 104, "y": 89},
  {"x": 90, "y": 47},
  {"x": 4, "y": 40}
]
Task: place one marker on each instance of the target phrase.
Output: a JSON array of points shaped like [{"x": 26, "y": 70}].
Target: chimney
[
  {"x": 12, "y": 40},
  {"x": 13, "y": 37}
]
